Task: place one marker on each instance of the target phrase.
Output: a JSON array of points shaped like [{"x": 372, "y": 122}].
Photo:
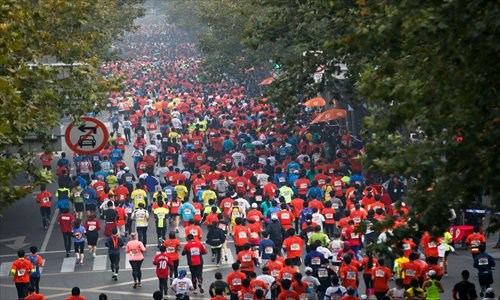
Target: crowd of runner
[{"x": 217, "y": 156}]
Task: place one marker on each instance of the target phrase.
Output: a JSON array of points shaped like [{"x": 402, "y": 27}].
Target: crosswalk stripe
[
  {"x": 41, "y": 268},
  {"x": 127, "y": 264},
  {"x": 5, "y": 269},
  {"x": 100, "y": 262},
  {"x": 230, "y": 258},
  {"x": 68, "y": 265}
]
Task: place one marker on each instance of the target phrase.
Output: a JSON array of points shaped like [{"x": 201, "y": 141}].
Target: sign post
[{"x": 87, "y": 138}]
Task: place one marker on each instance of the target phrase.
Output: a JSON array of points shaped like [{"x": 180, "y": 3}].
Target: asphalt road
[{"x": 21, "y": 227}]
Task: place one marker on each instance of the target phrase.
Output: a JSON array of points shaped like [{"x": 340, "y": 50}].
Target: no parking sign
[{"x": 86, "y": 137}]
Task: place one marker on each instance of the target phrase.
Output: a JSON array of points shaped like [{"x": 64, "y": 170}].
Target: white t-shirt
[
  {"x": 332, "y": 291},
  {"x": 182, "y": 286},
  {"x": 268, "y": 279}
]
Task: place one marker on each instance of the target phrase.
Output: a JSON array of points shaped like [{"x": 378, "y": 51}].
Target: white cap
[
  {"x": 254, "y": 205},
  {"x": 308, "y": 269},
  {"x": 126, "y": 169}
]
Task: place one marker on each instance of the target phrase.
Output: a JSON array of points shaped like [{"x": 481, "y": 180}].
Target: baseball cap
[
  {"x": 308, "y": 270},
  {"x": 126, "y": 169},
  {"x": 254, "y": 205}
]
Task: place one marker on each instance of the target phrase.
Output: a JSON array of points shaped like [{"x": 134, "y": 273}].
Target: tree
[
  {"x": 417, "y": 65},
  {"x": 34, "y": 96}
]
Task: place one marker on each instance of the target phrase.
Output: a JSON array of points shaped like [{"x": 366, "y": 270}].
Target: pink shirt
[{"x": 134, "y": 249}]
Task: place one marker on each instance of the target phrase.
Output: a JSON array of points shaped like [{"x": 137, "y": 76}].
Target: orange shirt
[
  {"x": 240, "y": 234},
  {"x": 247, "y": 260},
  {"x": 408, "y": 246},
  {"x": 286, "y": 219},
  {"x": 258, "y": 285},
  {"x": 430, "y": 246},
  {"x": 410, "y": 270},
  {"x": 274, "y": 268},
  {"x": 297, "y": 205},
  {"x": 35, "y": 296},
  {"x": 21, "y": 269},
  {"x": 173, "y": 246},
  {"x": 293, "y": 246},
  {"x": 287, "y": 273},
  {"x": 288, "y": 295},
  {"x": 349, "y": 275},
  {"x": 234, "y": 280},
  {"x": 300, "y": 289},
  {"x": 381, "y": 275},
  {"x": 474, "y": 240},
  {"x": 302, "y": 185},
  {"x": 364, "y": 263},
  {"x": 329, "y": 214},
  {"x": 195, "y": 231}
]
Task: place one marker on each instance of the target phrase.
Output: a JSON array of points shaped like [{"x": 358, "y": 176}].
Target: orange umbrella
[
  {"x": 314, "y": 102},
  {"x": 267, "y": 81},
  {"x": 332, "y": 114}
]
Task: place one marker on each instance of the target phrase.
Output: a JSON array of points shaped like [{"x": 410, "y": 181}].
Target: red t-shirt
[
  {"x": 65, "y": 221},
  {"x": 172, "y": 249},
  {"x": 234, "y": 279},
  {"x": 161, "y": 261},
  {"x": 43, "y": 198},
  {"x": 288, "y": 295}
]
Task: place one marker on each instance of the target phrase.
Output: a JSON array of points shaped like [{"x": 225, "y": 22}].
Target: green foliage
[
  {"x": 34, "y": 96},
  {"x": 422, "y": 65}
]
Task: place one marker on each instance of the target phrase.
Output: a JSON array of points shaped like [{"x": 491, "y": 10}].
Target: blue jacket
[{"x": 483, "y": 262}]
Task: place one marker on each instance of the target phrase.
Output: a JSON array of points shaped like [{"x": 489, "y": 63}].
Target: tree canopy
[
  {"x": 419, "y": 65},
  {"x": 35, "y": 96}
]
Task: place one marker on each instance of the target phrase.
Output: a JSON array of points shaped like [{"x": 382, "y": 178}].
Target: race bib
[
  {"x": 287, "y": 276},
  {"x": 432, "y": 245},
  {"x": 170, "y": 249},
  {"x": 303, "y": 186},
  {"x": 236, "y": 281},
  {"x": 322, "y": 273},
  {"x": 76, "y": 194},
  {"x": 21, "y": 272},
  {"x": 354, "y": 235},
  {"x": 379, "y": 273},
  {"x": 194, "y": 232},
  {"x": 92, "y": 227},
  {"x": 275, "y": 273},
  {"x": 295, "y": 247},
  {"x": 242, "y": 235},
  {"x": 195, "y": 251},
  {"x": 282, "y": 179},
  {"x": 406, "y": 247},
  {"x": 45, "y": 200},
  {"x": 316, "y": 261},
  {"x": 483, "y": 261},
  {"x": 187, "y": 211},
  {"x": 335, "y": 206},
  {"x": 357, "y": 220},
  {"x": 254, "y": 235},
  {"x": 246, "y": 258},
  {"x": 329, "y": 216},
  {"x": 410, "y": 273},
  {"x": 350, "y": 275},
  {"x": 268, "y": 250},
  {"x": 285, "y": 216}
]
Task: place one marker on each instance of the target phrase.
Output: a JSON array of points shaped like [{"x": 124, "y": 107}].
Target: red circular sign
[{"x": 87, "y": 138}]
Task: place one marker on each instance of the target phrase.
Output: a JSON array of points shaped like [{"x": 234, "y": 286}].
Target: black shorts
[
  {"x": 174, "y": 215},
  {"x": 92, "y": 237},
  {"x": 296, "y": 261},
  {"x": 90, "y": 207},
  {"x": 79, "y": 206},
  {"x": 336, "y": 263},
  {"x": 485, "y": 279}
]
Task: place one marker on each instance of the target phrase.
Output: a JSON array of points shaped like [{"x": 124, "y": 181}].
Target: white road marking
[
  {"x": 127, "y": 263},
  {"x": 100, "y": 262},
  {"x": 49, "y": 231},
  {"x": 5, "y": 269},
  {"x": 68, "y": 265}
]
